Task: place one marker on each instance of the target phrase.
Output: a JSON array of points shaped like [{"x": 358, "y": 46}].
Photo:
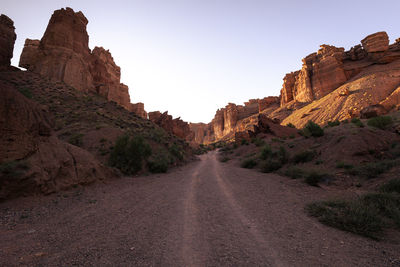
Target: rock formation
[
  {"x": 377, "y": 42},
  {"x": 63, "y": 54},
  {"x": 267, "y": 102},
  {"x": 176, "y": 126},
  {"x": 261, "y": 124},
  {"x": 331, "y": 67},
  {"x": 321, "y": 73},
  {"x": 342, "y": 83},
  {"x": 232, "y": 119},
  {"x": 26, "y": 139},
  {"x": 202, "y": 133},
  {"x": 7, "y": 40}
]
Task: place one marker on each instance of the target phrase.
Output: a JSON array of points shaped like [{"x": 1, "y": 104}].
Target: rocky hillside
[
  {"x": 333, "y": 84},
  {"x": 55, "y": 136}
]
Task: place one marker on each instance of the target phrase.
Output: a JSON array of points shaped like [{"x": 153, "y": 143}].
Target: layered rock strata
[
  {"x": 176, "y": 126},
  {"x": 63, "y": 54},
  {"x": 331, "y": 67}
]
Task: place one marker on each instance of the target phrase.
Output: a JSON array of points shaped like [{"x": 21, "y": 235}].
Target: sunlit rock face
[
  {"x": 7, "y": 40},
  {"x": 63, "y": 54},
  {"x": 267, "y": 102},
  {"x": 377, "y": 42},
  {"x": 176, "y": 126},
  {"x": 138, "y": 109},
  {"x": 331, "y": 67},
  {"x": 202, "y": 133}
]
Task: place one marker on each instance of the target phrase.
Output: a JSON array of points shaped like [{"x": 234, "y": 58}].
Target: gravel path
[{"x": 204, "y": 214}]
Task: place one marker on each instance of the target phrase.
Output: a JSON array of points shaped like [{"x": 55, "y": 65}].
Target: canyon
[
  {"x": 67, "y": 120},
  {"x": 333, "y": 84}
]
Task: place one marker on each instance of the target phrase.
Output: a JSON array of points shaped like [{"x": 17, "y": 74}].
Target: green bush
[
  {"x": 372, "y": 169},
  {"x": 224, "y": 159},
  {"x": 176, "y": 151},
  {"x": 333, "y": 123},
  {"x": 348, "y": 216},
  {"x": 357, "y": 122},
  {"x": 291, "y": 125},
  {"x": 13, "y": 169},
  {"x": 158, "y": 163},
  {"x": 282, "y": 155},
  {"x": 129, "y": 154},
  {"x": 304, "y": 156},
  {"x": 26, "y": 92},
  {"x": 294, "y": 172},
  {"x": 343, "y": 165},
  {"x": 381, "y": 122},
  {"x": 313, "y": 129},
  {"x": 391, "y": 186},
  {"x": 271, "y": 165},
  {"x": 248, "y": 163},
  {"x": 266, "y": 152},
  {"x": 258, "y": 141},
  {"x": 76, "y": 139},
  {"x": 244, "y": 142},
  {"x": 313, "y": 178},
  {"x": 366, "y": 216}
]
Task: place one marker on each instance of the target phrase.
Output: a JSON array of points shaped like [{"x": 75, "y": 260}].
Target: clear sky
[{"x": 191, "y": 57}]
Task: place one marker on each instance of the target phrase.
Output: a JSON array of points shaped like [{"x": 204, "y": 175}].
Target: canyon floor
[{"x": 206, "y": 213}]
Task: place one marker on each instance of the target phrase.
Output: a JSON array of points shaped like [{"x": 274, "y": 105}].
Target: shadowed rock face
[
  {"x": 176, "y": 126},
  {"x": 7, "y": 40},
  {"x": 63, "y": 54},
  {"x": 26, "y": 134}
]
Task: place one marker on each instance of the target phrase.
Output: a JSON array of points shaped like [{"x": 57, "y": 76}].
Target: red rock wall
[
  {"x": 331, "y": 67},
  {"x": 176, "y": 126},
  {"x": 63, "y": 54},
  {"x": 7, "y": 40}
]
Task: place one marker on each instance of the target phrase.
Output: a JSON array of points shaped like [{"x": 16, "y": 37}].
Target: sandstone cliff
[
  {"x": 331, "y": 67},
  {"x": 7, "y": 40},
  {"x": 343, "y": 83},
  {"x": 63, "y": 54},
  {"x": 233, "y": 118}
]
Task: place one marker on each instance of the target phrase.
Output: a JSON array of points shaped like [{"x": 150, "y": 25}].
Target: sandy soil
[{"x": 204, "y": 214}]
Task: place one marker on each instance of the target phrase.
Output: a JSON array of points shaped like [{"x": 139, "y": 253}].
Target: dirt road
[{"x": 204, "y": 214}]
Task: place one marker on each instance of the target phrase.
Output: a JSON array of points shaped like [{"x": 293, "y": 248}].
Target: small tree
[
  {"x": 128, "y": 154},
  {"x": 313, "y": 129}
]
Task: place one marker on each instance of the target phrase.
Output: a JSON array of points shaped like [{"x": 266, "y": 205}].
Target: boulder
[
  {"x": 377, "y": 42},
  {"x": 372, "y": 111},
  {"x": 7, "y": 40}
]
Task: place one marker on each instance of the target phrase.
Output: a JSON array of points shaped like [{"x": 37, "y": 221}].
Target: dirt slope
[{"x": 204, "y": 214}]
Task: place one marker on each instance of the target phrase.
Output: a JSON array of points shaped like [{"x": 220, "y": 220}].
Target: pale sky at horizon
[{"x": 193, "y": 57}]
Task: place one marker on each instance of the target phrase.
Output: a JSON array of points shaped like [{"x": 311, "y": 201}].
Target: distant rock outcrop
[
  {"x": 232, "y": 119},
  {"x": 176, "y": 126},
  {"x": 321, "y": 73},
  {"x": 7, "y": 40},
  {"x": 63, "y": 54}
]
